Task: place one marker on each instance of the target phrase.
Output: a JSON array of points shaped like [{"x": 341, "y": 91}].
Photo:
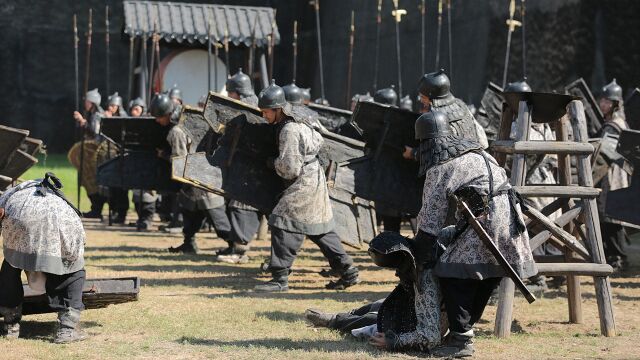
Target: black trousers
[
  {"x": 285, "y": 246},
  {"x": 357, "y": 318},
  {"x": 465, "y": 300},
  {"x": 119, "y": 200},
  {"x": 614, "y": 241},
  {"x": 244, "y": 225},
  {"x": 392, "y": 223},
  {"x": 193, "y": 221},
  {"x": 63, "y": 291}
]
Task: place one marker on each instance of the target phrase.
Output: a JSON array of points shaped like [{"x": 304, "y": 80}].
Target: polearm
[
  {"x": 352, "y": 33},
  {"x": 131, "y": 65},
  {"x": 77, "y": 98},
  {"x": 209, "y": 54},
  {"x": 215, "y": 65},
  {"x": 439, "y": 34},
  {"x": 295, "y": 50},
  {"x": 252, "y": 51},
  {"x": 377, "y": 58},
  {"x": 107, "y": 52},
  {"x": 226, "y": 48},
  {"x": 86, "y": 89},
  {"x": 511, "y": 25},
  {"x": 154, "y": 39},
  {"x": 397, "y": 14},
  {"x": 450, "y": 41},
  {"x": 423, "y": 11},
  {"x": 272, "y": 40},
  {"x": 524, "y": 41},
  {"x": 316, "y": 4}
]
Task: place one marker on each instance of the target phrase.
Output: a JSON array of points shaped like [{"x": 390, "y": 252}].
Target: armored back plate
[
  {"x": 592, "y": 111},
  {"x": 490, "y": 112},
  {"x": 10, "y": 141},
  {"x": 632, "y": 109},
  {"x": 137, "y": 170},
  {"x": 135, "y": 133}
]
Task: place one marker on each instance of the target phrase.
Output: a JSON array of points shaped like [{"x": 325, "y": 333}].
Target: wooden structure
[{"x": 576, "y": 232}]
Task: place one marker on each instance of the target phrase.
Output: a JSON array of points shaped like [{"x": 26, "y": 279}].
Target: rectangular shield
[
  {"x": 490, "y": 112},
  {"x": 135, "y": 133},
  {"x": 137, "y": 170},
  {"x": 10, "y": 140},
  {"x": 632, "y": 109},
  {"x": 219, "y": 110},
  {"x": 32, "y": 146},
  {"x": 624, "y": 204},
  {"x": 591, "y": 108},
  {"x": 393, "y": 181},
  {"x": 237, "y": 170},
  {"x": 19, "y": 163},
  {"x": 199, "y": 130}
]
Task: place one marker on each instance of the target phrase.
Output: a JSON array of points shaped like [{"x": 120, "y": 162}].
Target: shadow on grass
[
  {"x": 346, "y": 296},
  {"x": 329, "y": 346},
  {"x": 45, "y": 330},
  {"x": 281, "y": 316}
]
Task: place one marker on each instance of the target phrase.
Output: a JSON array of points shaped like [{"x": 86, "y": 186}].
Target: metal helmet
[
  {"x": 432, "y": 124},
  {"x": 612, "y": 91},
  {"x": 94, "y": 97},
  {"x": 239, "y": 83},
  {"x": 406, "y": 103},
  {"x": 137, "y": 102},
  {"x": 293, "y": 94},
  {"x": 306, "y": 94},
  {"x": 161, "y": 105},
  {"x": 362, "y": 97},
  {"x": 387, "y": 96},
  {"x": 321, "y": 101},
  {"x": 175, "y": 93},
  {"x": 518, "y": 86},
  {"x": 115, "y": 99},
  {"x": 435, "y": 85},
  {"x": 272, "y": 97}
]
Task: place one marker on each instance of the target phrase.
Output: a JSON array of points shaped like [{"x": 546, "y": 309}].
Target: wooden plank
[
  {"x": 586, "y": 269},
  {"x": 558, "y": 191},
  {"x": 566, "y": 238},
  {"x": 504, "y": 132},
  {"x": 561, "y": 221},
  {"x": 541, "y": 147},
  {"x": 539, "y": 259},
  {"x": 592, "y": 221}
]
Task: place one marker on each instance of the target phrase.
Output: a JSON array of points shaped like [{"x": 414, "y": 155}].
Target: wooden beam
[
  {"x": 566, "y": 238},
  {"x": 541, "y": 147},
  {"x": 585, "y": 269},
  {"x": 561, "y": 221},
  {"x": 558, "y": 191}
]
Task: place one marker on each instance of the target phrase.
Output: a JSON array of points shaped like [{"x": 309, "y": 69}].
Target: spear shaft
[
  {"x": 423, "y": 11},
  {"x": 107, "y": 50},
  {"x": 77, "y": 98},
  {"x": 209, "y": 55},
  {"x": 88, "y": 54},
  {"x": 295, "y": 50},
  {"x": 272, "y": 40},
  {"x": 352, "y": 33},
  {"x": 316, "y": 4},
  {"x": 377, "y": 58},
  {"x": 511, "y": 24},
  {"x": 226, "y": 48},
  {"x": 439, "y": 34},
  {"x": 524, "y": 42},
  {"x": 450, "y": 41},
  {"x": 252, "y": 51},
  {"x": 397, "y": 13}
]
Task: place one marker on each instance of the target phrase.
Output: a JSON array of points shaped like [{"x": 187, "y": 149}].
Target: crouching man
[
  {"x": 466, "y": 270},
  {"x": 43, "y": 235}
]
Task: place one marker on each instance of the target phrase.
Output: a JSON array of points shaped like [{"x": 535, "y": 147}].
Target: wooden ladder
[{"x": 579, "y": 220}]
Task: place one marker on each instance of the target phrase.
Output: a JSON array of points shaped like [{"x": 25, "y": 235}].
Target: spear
[
  {"x": 450, "y": 41},
  {"x": 154, "y": 39},
  {"x": 295, "y": 49},
  {"x": 226, "y": 47},
  {"x": 106, "y": 39},
  {"x": 375, "y": 66},
  {"x": 439, "y": 33},
  {"x": 511, "y": 25},
  {"x": 524, "y": 42},
  {"x": 252, "y": 51},
  {"x": 352, "y": 34},
  {"x": 215, "y": 65},
  {"x": 88, "y": 55},
  {"x": 131, "y": 60},
  {"x": 423, "y": 11},
  {"x": 209, "y": 54},
  {"x": 272, "y": 39},
  {"x": 77, "y": 98},
  {"x": 316, "y": 4},
  {"x": 397, "y": 14}
]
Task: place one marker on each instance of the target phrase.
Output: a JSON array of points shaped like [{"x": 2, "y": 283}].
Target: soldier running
[{"x": 304, "y": 207}]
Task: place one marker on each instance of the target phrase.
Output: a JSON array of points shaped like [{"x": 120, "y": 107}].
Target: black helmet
[
  {"x": 387, "y": 96},
  {"x": 390, "y": 250},
  {"x": 175, "y": 93},
  {"x": 306, "y": 94},
  {"x": 406, "y": 103},
  {"x": 435, "y": 85},
  {"x": 612, "y": 91},
  {"x": 293, "y": 94},
  {"x": 137, "y": 102},
  {"x": 240, "y": 83},
  {"x": 518, "y": 87},
  {"x": 161, "y": 105},
  {"x": 432, "y": 124},
  {"x": 115, "y": 99},
  {"x": 272, "y": 97}
]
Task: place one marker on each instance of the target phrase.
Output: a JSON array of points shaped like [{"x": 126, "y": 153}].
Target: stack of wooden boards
[{"x": 17, "y": 154}]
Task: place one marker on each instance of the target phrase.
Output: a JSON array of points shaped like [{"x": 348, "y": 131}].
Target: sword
[
  {"x": 439, "y": 33},
  {"x": 450, "y": 41},
  {"x": 524, "y": 42},
  {"x": 350, "y": 61},
  {"x": 511, "y": 25},
  {"x": 377, "y": 58},
  {"x": 316, "y": 4},
  {"x": 295, "y": 50},
  {"x": 491, "y": 246},
  {"x": 423, "y": 11},
  {"x": 397, "y": 14},
  {"x": 106, "y": 39}
]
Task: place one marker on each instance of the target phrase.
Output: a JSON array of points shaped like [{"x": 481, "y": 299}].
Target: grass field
[{"x": 191, "y": 307}]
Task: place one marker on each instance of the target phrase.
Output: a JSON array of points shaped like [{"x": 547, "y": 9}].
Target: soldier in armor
[
  {"x": 114, "y": 106},
  {"x": 118, "y": 197},
  {"x": 175, "y": 94},
  {"x": 406, "y": 103},
  {"x": 195, "y": 204},
  {"x": 244, "y": 219},
  {"x": 465, "y": 269},
  {"x": 306, "y": 95},
  {"x": 359, "y": 97},
  {"x": 90, "y": 125},
  {"x": 304, "y": 207},
  {"x": 614, "y": 236},
  {"x": 387, "y": 96},
  {"x": 137, "y": 107}
]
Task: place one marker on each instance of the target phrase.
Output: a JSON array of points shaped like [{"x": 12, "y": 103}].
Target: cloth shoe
[
  {"x": 11, "y": 323},
  {"x": 348, "y": 278},
  {"x": 68, "y": 327},
  {"x": 188, "y": 247},
  {"x": 456, "y": 345},
  {"x": 279, "y": 283},
  {"x": 318, "y": 318}
]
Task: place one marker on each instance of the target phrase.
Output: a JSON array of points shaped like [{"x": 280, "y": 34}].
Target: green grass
[{"x": 59, "y": 165}]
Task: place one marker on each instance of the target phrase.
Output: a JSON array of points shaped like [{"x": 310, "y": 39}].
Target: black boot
[
  {"x": 279, "y": 283},
  {"x": 97, "y": 203},
  {"x": 456, "y": 345},
  {"x": 237, "y": 256},
  {"x": 188, "y": 247},
  {"x": 68, "y": 327},
  {"x": 11, "y": 323},
  {"x": 348, "y": 278}
]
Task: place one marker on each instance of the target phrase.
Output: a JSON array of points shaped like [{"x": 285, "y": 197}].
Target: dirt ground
[{"x": 191, "y": 307}]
